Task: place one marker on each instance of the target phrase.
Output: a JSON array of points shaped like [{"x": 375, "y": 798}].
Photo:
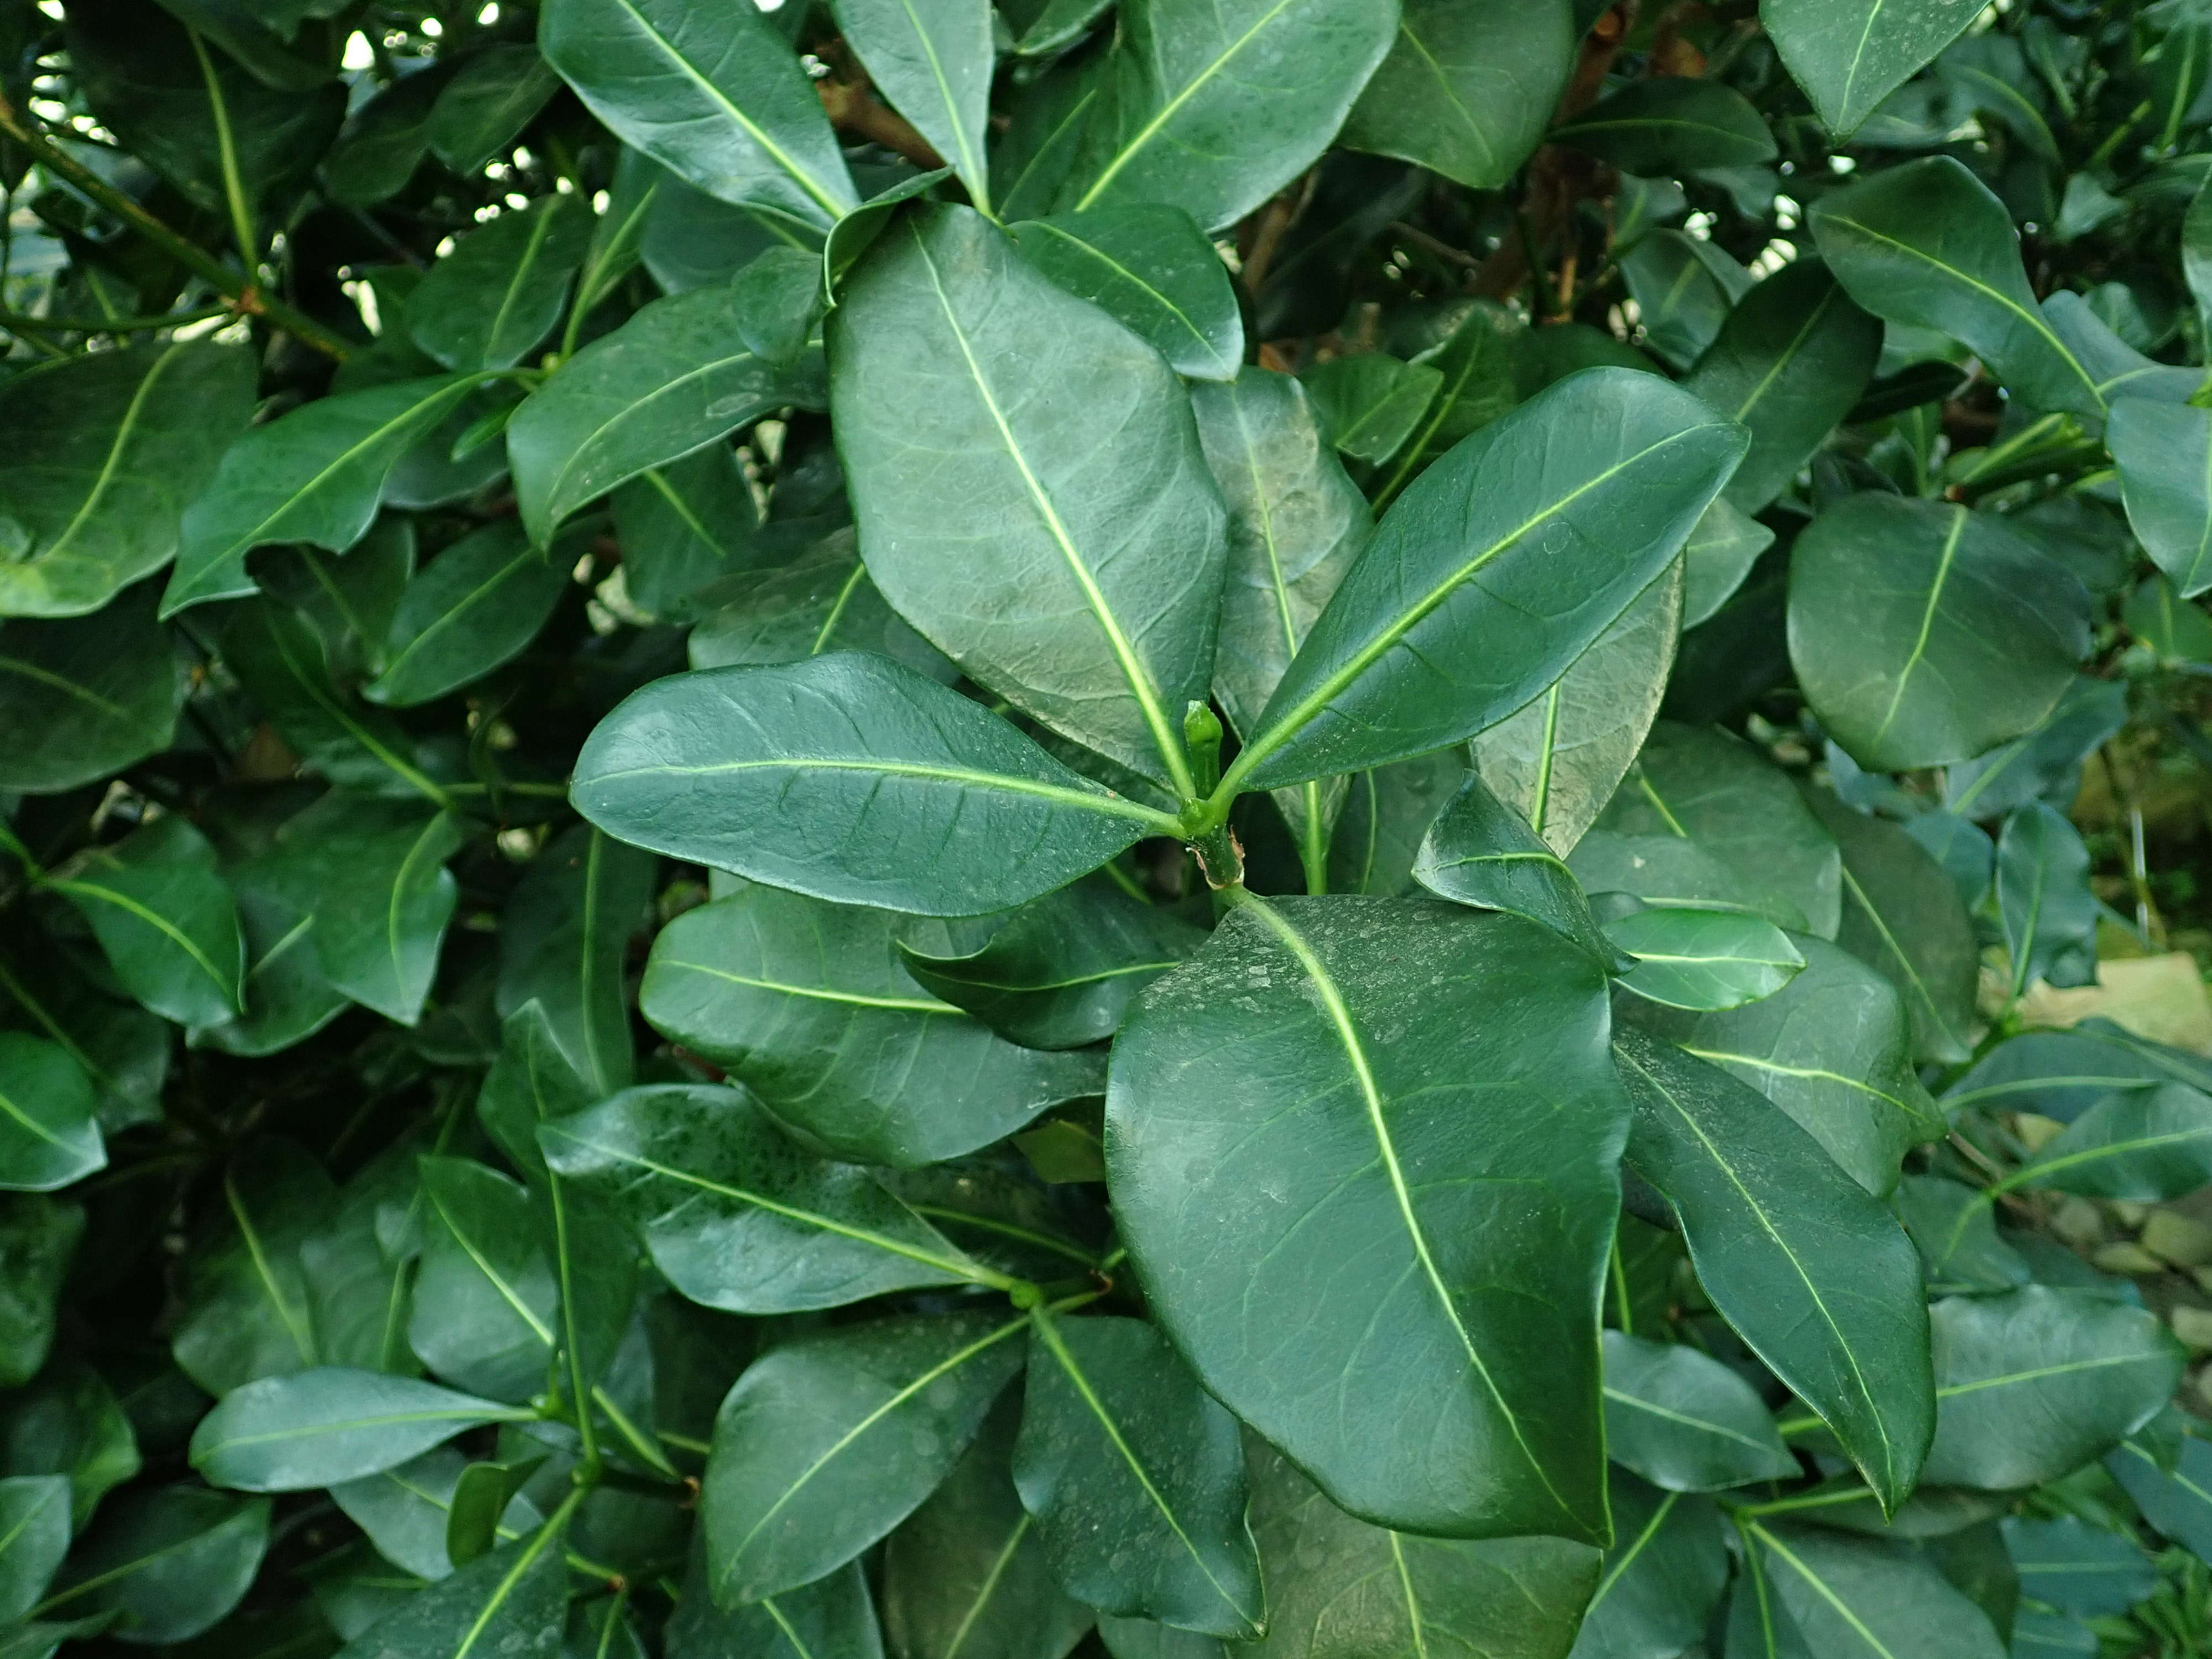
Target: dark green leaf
[
  {"x": 2141, "y": 1145},
  {"x": 1703, "y": 959},
  {"x": 35, "y": 1535},
  {"x": 1849, "y": 55},
  {"x": 1481, "y": 852},
  {"x": 2078, "y": 1568},
  {"x": 165, "y": 919},
  {"x": 1685, "y": 1421},
  {"x": 1466, "y": 91},
  {"x": 1671, "y": 125},
  {"x": 682, "y": 525},
  {"x": 1868, "y": 1599},
  {"x": 1663, "y": 1577},
  {"x": 49, "y": 1130},
  {"x": 1370, "y": 403},
  {"x": 2061, "y": 1074},
  {"x": 2044, "y": 900},
  {"x": 500, "y": 291},
  {"x": 2164, "y": 452},
  {"x": 246, "y": 1305},
  {"x": 85, "y": 696},
  {"x": 2174, "y": 1495},
  {"x": 1151, "y": 269},
  {"x": 483, "y": 1493},
  {"x": 316, "y": 1428},
  {"x": 485, "y": 1296},
  {"x": 166, "y": 1562},
  {"x": 1954, "y": 1229},
  {"x": 934, "y": 65},
  {"x": 832, "y": 1617},
  {"x": 1684, "y": 288},
  {"x": 495, "y": 94},
  {"x": 822, "y": 601},
  {"x": 472, "y": 608},
  {"x": 512, "y": 1601},
  {"x": 564, "y": 944},
  {"x": 39, "y": 1237},
  {"x": 405, "y": 1511}
]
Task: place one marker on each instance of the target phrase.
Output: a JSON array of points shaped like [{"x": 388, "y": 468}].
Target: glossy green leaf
[
  {"x": 2032, "y": 1384},
  {"x": 1703, "y": 959},
  {"x": 564, "y": 942},
  {"x": 499, "y": 292},
  {"x": 103, "y": 453},
  {"x": 1386, "y": 815},
  {"x": 674, "y": 377},
  {"x": 1789, "y": 363},
  {"x": 84, "y": 696},
  {"x": 1867, "y": 1598},
  {"x": 807, "y": 1005},
  {"x": 2141, "y": 1144},
  {"x": 2043, "y": 900},
  {"x": 167, "y": 921},
  {"x": 933, "y": 63},
  {"x": 494, "y": 94},
  {"x": 1686, "y": 1422},
  {"x": 314, "y": 475},
  {"x": 2164, "y": 452},
  {"x": 1089, "y": 603},
  {"x": 514, "y": 1601},
  {"x": 1150, "y": 269},
  {"x": 1661, "y": 1578},
  {"x": 1241, "y": 1217},
  {"x": 1466, "y": 91},
  {"x": 1928, "y": 245},
  {"x": 1954, "y": 1228},
  {"x": 772, "y": 773},
  {"x": 1441, "y": 582},
  {"x": 718, "y": 98},
  {"x": 1716, "y": 559},
  {"x": 822, "y": 601},
  {"x": 1849, "y": 55},
  {"x": 1480, "y": 852},
  {"x": 1136, "y": 1478},
  {"x": 831, "y": 1440},
  {"x": 246, "y": 1305},
  {"x": 1671, "y": 125},
  {"x": 2175, "y": 1495},
  {"x": 34, "y": 1536},
  {"x": 1684, "y": 288},
  {"x": 1217, "y": 109},
  {"x": 469, "y": 611},
  {"x": 39, "y": 1237},
  {"x": 49, "y": 1130},
  {"x": 485, "y": 1295},
  {"x": 483, "y": 1493},
  {"x": 1064, "y": 968},
  {"x": 1963, "y": 634},
  {"x": 1369, "y": 405},
  {"x": 316, "y": 1428},
  {"x": 1810, "y": 1269},
  {"x": 405, "y": 1510},
  {"x": 2078, "y": 1568},
  {"x": 166, "y": 1562},
  {"x": 832, "y": 1617},
  {"x": 682, "y": 526},
  {"x": 2061, "y": 1074}
]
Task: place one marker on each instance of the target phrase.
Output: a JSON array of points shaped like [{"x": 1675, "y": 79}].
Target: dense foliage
[{"x": 1126, "y": 826}]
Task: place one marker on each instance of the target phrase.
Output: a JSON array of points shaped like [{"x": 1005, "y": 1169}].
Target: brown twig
[{"x": 854, "y": 105}]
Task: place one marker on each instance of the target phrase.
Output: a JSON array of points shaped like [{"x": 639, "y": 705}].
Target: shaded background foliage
[{"x": 436, "y": 1224}]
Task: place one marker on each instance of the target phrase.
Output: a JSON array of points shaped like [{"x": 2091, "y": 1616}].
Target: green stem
[
  {"x": 233, "y": 183},
  {"x": 15, "y": 320}
]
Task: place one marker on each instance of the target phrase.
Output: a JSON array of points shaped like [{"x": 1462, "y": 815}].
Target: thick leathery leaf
[
  {"x": 1703, "y": 959},
  {"x": 2044, "y": 899},
  {"x": 1663, "y": 1577},
  {"x": 512, "y": 1601},
  {"x": 466, "y": 612},
  {"x": 1560, "y": 758},
  {"x": 168, "y": 1562},
  {"x": 1814, "y": 1275},
  {"x": 682, "y": 527},
  {"x": 2032, "y": 1384},
  {"x": 1249, "y": 1222},
  {"x": 807, "y": 1005},
  {"x": 1671, "y": 124},
  {"x": 2141, "y": 1145},
  {"x": 564, "y": 941},
  {"x": 1466, "y": 91},
  {"x": 1830, "y": 1049},
  {"x": 1928, "y": 245},
  {"x": 1136, "y": 1478},
  {"x": 1369, "y": 405},
  {"x": 34, "y": 1536},
  {"x": 1867, "y": 1597},
  {"x": 831, "y": 1440},
  {"x": 1451, "y": 576},
  {"x": 717, "y": 97},
  {"x": 832, "y": 1617},
  {"x": 314, "y": 476},
  {"x": 316, "y": 1428},
  {"x": 99, "y": 455},
  {"x": 1963, "y": 634},
  {"x": 496, "y": 93},
  {"x": 1065, "y": 551},
  {"x": 2061, "y": 1075},
  {"x": 406, "y": 1510},
  {"x": 853, "y": 778},
  {"x": 1062, "y": 971},
  {"x": 247, "y": 1303},
  {"x": 1849, "y": 55},
  {"x": 1789, "y": 363},
  {"x": 676, "y": 376},
  {"x": 486, "y": 1296},
  {"x": 1684, "y": 288},
  {"x": 49, "y": 1122},
  {"x": 1216, "y": 108},
  {"x": 1338, "y": 1586},
  {"x": 934, "y": 63},
  {"x": 739, "y": 1217},
  {"x": 1716, "y": 558},
  {"x": 1685, "y": 1421},
  {"x": 84, "y": 696},
  {"x": 2164, "y": 452},
  {"x": 2076, "y": 1567},
  {"x": 1387, "y": 812},
  {"x": 2173, "y": 1492},
  {"x": 1151, "y": 269},
  {"x": 39, "y": 1239},
  {"x": 822, "y": 601},
  {"x": 501, "y": 289},
  {"x": 1480, "y": 852},
  {"x": 1951, "y": 1225},
  {"x": 167, "y": 923}
]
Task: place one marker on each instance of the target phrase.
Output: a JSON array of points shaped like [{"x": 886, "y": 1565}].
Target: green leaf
[
  {"x": 315, "y": 475},
  {"x": 1684, "y": 288},
  {"x": 85, "y": 696},
  {"x": 1867, "y": 1598},
  {"x": 1663, "y": 1577},
  {"x": 39, "y": 1237},
  {"x": 2078, "y": 1568},
  {"x": 2141, "y": 1145},
  {"x": 405, "y": 1511},
  {"x": 2175, "y": 1499},
  {"x": 247, "y": 1303},
  {"x": 471, "y": 609},
  {"x": 933, "y": 63},
  {"x": 1789, "y": 363},
  {"x": 384, "y": 141},
  {"x": 49, "y": 1130},
  {"x": 806, "y": 1004},
  {"x": 1369, "y": 405},
  {"x": 514, "y": 1601},
  {"x": 2044, "y": 899},
  {"x": 318, "y": 1428},
  {"x": 1466, "y": 91},
  {"x": 496, "y": 93},
  {"x": 1588, "y": 523},
  {"x": 2176, "y": 631},
  {"x": 1481, "y": 852},
  {"x": 822, "y": 601},
  {"x": 1831, "y": 1049},
  {"x": 832, "y": 1617},
  {"x": 1062, "y": 971},
  {"x": 1136, "y": 1478},
  {"x": 2032, "y": 1384},
  {"x": 165, "y": 1563},
  {"x": 1810, "y": 1270},
  {"x": 1702, "y": 821},
  {"x": 1090, "y": 604},
  {"x": 2164, "y": 452},
  {"x": 1928, "y": 245},
  {"x": 1239, "y": 1216},
  {"x": 831, "y": 1440},
  {"x": 2061, "y": 1075},
  {"x": 1685, "y": 1421},
  {"x": 1216, "y": 109},
  {"x": 1141, "y": 1638},
  {"x": 497, "y": 295},
  {"x": 1149, "y": 268},
  {"x": 1560, "y": 757},
  {"x": 485, "y": 1295},
  {"x": 675, "y": 377},
  {"x": 1962, "y": 634},
  {"x": 1338, "y": 1587},
  {"x": 1703, "y": 959},
  {"x": 1849, "y": 55},
  {"x": 1671, "y": 125},
  {"x": 483, "y": 1493},
  {"x": 738, "y": 1216},
  {"x": 1387, "y": 812},
  {"x": 34, "y": 1536},
  {"x": 718, "y": 98},
  {"x": 564, "y": 942},
  {"x": 682, "y": 526},
  {"x": 103, "y": 453},
  {"x": 846, "y": 777},
  {"x": 1953, "y": 1227},
  {"x": 167, "y": 921}
]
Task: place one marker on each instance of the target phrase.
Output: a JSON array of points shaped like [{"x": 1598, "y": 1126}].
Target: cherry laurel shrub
[{"x": 1163, "y": 830}]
